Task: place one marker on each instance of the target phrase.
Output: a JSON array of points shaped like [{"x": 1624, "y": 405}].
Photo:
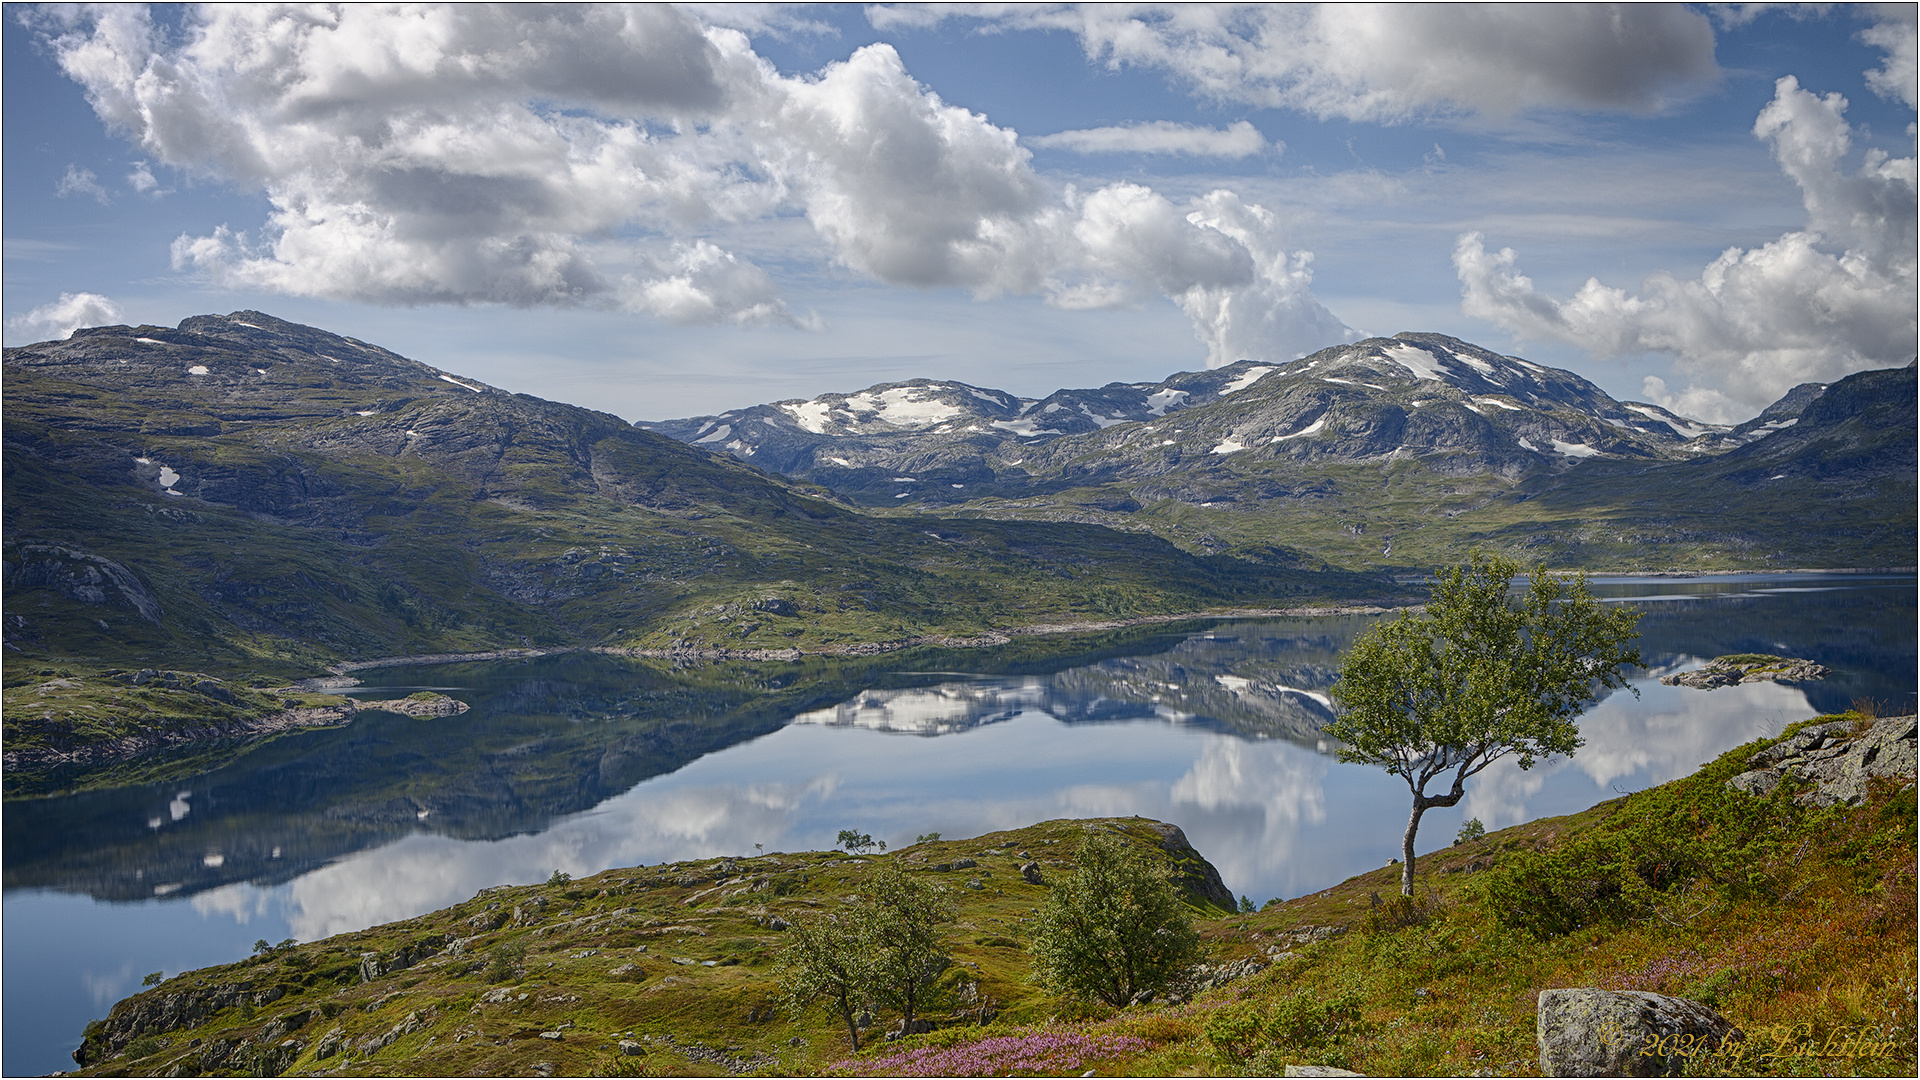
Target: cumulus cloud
[
  {"x": 59, "y": 319},
  {"x": 1386, "y": 62},
  {"x": 595, "y": 156},
  {"x": 1240, "y": 140},
  {"x": 79, "y": 181},
  {"x": 1816, "y": 304},
  {"x": 1896, "y": 75}
]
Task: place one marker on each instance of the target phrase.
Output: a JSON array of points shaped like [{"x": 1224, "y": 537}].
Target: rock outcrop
[
  {"x": 1751, "y": 667},
  {"x": 1838, "y": 759},
  {"x": 422, "y": 705},
  {"x": 1195, "y": 873},
  {"x": 1589, "y": 1032}
]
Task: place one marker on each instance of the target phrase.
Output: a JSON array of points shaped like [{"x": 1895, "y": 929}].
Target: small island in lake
[{"x": 1745, "y": 668}]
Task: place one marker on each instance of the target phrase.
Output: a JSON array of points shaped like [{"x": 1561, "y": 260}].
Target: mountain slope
[
  {"x": 1390, "y": 452},
  {"x": 246, "y": 494},
  {"x": 1466, "y": 409}
]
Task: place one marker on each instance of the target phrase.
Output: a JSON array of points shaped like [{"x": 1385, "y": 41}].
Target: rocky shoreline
[
  {"x": 858, "y": 648},
  {"x": 132, "y": 746}
]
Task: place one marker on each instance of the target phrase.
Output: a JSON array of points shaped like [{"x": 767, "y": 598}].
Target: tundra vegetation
[
  {"x": 1794, "y": 920},
  {"x": 1475, "y": 678}
]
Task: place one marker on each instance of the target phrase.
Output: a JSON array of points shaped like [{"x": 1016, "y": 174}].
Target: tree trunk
[
  {"x": 1406, "y": 847},
  {"x": 853, "y": 1029}
]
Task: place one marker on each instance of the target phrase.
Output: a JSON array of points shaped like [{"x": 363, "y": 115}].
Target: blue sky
[{"x": 666, "y": 212}]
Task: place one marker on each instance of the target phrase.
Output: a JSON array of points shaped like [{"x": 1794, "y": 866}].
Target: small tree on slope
[
  {"x": 1476, "y": 678},
  {"x": 1113, "y": 927}
]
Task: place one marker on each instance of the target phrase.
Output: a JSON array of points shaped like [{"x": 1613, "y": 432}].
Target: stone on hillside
[
  {"x": 1591, "y": 1032},
  {"x": 1031, "y": 871},
  {"x": 1839, "y": 764},
  {"x": 630, "y": 1048}
]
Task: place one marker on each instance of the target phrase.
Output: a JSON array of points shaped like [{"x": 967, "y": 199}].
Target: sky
[{"x": 673, "y": 211}]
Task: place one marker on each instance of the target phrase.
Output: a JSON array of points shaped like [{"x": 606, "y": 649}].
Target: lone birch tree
[{"x": 1477, "y": 677}]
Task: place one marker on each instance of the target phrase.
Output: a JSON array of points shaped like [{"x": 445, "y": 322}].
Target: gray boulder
[
  {"x": 1838, "y": 763},
  {"x": 1589, "y": 1032}
]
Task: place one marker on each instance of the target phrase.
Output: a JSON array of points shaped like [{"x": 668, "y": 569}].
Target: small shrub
[
  {"x": 145, "y": 1046},
  {"x": 154, "y": 978},
  {"x": 1402, "y": 912},
  {"x": 504, "y": 961},
  {"x": 926, "y": 838},
  {"x": 1470, "y": 832},
  {"x": 559, "y": 878}
]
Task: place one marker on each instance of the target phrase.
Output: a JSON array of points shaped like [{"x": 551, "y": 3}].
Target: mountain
[
  {"x": 1414, "y": 395},
  {"x": 244, "y": 494},
  {"x": 1389, "y": 452}
]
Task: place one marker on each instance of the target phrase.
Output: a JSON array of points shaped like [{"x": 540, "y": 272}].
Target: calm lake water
[{"x": 581, "y": 763}]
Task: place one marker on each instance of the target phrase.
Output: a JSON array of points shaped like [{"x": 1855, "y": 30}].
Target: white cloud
[
  {"x": 141, "y": 179},
  {"x": 59, "y": 319},
  {"x": 79, "y": 181},
  {"x": 1385, "y": 62},
  {"x": 1756, "y": 321},
  {"x": 1240, "y": 140},
  {"x": 592, "y": 156},
  {"x": 1896, "y": 75}
]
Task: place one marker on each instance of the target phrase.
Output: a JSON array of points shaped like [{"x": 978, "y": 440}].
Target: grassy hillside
[{"x": 1795, "y": 922}]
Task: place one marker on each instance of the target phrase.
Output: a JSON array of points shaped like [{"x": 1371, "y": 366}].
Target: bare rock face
[
  {"x": 1733, "y": 670},
  {"x": 1839, "y": 763},
  {"x": 1589, "y": 1032}
]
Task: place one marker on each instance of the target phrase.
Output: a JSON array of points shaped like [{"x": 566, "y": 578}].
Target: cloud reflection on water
[{"x": 1274, "y": 817}]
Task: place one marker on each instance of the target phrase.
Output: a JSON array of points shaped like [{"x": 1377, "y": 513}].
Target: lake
[{"x": 579, "y": 763}]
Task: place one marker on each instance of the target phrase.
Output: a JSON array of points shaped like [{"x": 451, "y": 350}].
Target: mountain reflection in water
[{"x": 555, "y": 736}]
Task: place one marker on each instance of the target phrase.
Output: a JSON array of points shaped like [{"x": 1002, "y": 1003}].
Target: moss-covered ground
[{"x": 1795, "y": 922}]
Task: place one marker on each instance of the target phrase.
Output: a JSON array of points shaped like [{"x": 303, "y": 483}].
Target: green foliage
[
  {"x": 1300, "y": 1025},
  {"x": 857, "y": 841},
  {"x": 1113, "y": 928},
  {"x": 1469, "y": 832},
  {"x": 1246, "y": 904},
  {"x": 1476, "y": 678},
  {"x": 559, "y": 878},
  {"x": 897, "y": 924},
  {"x": 145, "y": 1046},
  {"x": 826, "y": 961},
  {"x": 926, "y": 838},
  {"x": 1661, "y": 843},
  {"x": 503, "y": 962},
  {"x": 153, "y": 978}
]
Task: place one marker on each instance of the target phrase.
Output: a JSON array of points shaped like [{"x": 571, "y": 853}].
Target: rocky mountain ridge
[
  {"x": 1413, "y": 395},
  {"x": 1390, "y": 452}
]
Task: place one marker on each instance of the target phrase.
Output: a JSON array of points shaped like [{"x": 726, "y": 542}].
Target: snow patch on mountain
[
  {"x": 1247, "y": 378},
  {"x": 1422, "y": 363},
  {"x": 1311, "y": 429},
  {"x": 1158, "y": 404}
]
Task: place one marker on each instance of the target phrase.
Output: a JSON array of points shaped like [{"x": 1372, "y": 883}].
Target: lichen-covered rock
[
  {"x": 1839, "y": 764},
  {"x": 1590, "y": 1032}
]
